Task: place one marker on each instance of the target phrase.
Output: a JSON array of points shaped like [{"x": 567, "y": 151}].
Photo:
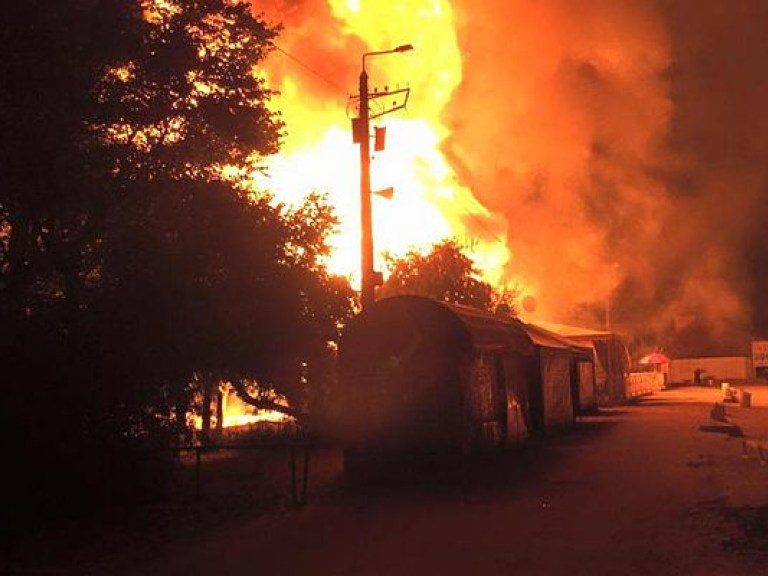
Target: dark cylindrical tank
[{"x": 402, "y": 365}]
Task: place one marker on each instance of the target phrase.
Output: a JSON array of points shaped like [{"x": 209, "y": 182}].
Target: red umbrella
[{"x": 654, "y": 358}]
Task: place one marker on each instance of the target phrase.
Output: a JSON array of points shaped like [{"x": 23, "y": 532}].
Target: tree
[
  {"x": 49, "y": 184},
  {"x": 446, "y": 273},
  {"x": 129, "y": 261},
  {"x": 236, "y": 279},
  {"x": 189, "y": 103},
  {"x": 52, "y": 188}
]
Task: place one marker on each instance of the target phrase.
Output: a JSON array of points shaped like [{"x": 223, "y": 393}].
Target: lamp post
[{"x": 367, "y": 273}]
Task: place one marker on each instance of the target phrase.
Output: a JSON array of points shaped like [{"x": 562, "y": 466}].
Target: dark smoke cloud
[
  {"x": 627, "y": 144},
  {"x": 719, "y": 89}
]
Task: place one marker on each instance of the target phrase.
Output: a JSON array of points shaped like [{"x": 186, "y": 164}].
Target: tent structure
[
  {"x": 612, "y": 360},
  {"x": 563, "y": 358},
  {"x": 655, "y": 359},
  {"x": 418, "y": 374}
]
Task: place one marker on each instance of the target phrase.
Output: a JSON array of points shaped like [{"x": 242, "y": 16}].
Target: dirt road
[{"x": 637, "y": 490}]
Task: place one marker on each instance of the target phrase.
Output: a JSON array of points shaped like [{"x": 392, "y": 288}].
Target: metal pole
[
  {"x": 294, "y": 497},
  {"x": 368, "y": 274},
  {"x": 306, "y": 475},
  {"x": 367, "y": 287},
  {"x": 197, "y": 472}
]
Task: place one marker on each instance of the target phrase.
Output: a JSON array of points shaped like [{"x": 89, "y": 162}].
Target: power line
[
  {"x": 472, "y": 214},
  {"x": 307, "y": 67},
  {"x": 479, "y": 221}
]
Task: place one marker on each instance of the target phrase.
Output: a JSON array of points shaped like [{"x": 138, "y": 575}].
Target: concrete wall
[{"x": 719, "y": 368}]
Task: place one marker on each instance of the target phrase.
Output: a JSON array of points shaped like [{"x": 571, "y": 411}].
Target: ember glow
[
  {"x": 237, "y": 413},
  {"x": 156, "y": 11}
]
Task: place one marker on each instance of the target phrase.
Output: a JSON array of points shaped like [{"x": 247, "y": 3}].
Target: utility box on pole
[{"x": 379, "y": 138}]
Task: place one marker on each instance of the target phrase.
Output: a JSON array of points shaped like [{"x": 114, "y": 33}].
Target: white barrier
[
  {"x": 728, "y": 368},
  {"x": 639, "y": 383}
]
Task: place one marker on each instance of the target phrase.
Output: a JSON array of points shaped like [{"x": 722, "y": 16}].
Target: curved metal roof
[{"x": 489, "y": 331}]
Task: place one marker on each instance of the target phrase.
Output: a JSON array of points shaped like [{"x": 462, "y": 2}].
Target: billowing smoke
[
  {"x": 626, "y": 146},
  {"x": 720, "y": 136}
]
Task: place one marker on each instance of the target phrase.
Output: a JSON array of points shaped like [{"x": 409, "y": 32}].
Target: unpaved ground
[{"x": 638, "y": 489}]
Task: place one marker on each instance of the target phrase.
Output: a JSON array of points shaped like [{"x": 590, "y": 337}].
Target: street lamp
[{"x": 368, "y": 278}]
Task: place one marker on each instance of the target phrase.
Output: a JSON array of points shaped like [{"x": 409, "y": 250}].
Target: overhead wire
[
  {"x": 307, "y": 67},
  {"x": 479, "y": 220},
  {"x": 471, "y": 213}
]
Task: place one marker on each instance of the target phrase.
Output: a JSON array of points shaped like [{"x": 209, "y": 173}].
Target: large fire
[
  {"x": 548, "y": 137},
  {"x": 429, "y": 204}
]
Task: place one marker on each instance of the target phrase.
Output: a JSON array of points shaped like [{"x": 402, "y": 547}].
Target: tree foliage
[
  {"x": 130, "y": 264},
  {"x": 446, "y": 273},
  {"x": 189, "y": 102}
]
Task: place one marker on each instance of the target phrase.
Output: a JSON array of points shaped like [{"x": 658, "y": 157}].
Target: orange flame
[
  {"x": 429, "y": 204},
  {"x": 237, "y": 413},
  {"x": 549, "y": 116}
]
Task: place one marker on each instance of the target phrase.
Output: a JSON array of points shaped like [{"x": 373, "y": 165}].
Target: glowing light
[
  {"x": 318, "y": 154},
  {"x": 238, "y": 413},
  {"x": 158, "y": 11}
]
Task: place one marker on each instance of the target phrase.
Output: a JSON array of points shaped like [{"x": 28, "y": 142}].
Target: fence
[
  {"x": 290, "y": 477},
  {"x": 158, "y": 493},
  {"x": 640, "y": 383},
  {"x": 275, "y": 474}
]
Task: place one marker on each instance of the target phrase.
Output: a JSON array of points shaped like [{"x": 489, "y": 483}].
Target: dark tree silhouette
[
  {"x": 188, "y": 102},
  {"x": 130, "y": 263}
]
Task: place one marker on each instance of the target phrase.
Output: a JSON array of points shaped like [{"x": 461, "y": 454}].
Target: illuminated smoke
[
  {"x": 626, "y": 146},
  {"x": 319, "y": 57},
  {"x": 619, "y": 148},
  {"x": 560, "y": 115},
  {"x": 719, "y": 186}
]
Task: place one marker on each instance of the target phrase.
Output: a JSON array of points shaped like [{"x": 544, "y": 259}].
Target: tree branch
[{"x": 265, "y": 404}]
